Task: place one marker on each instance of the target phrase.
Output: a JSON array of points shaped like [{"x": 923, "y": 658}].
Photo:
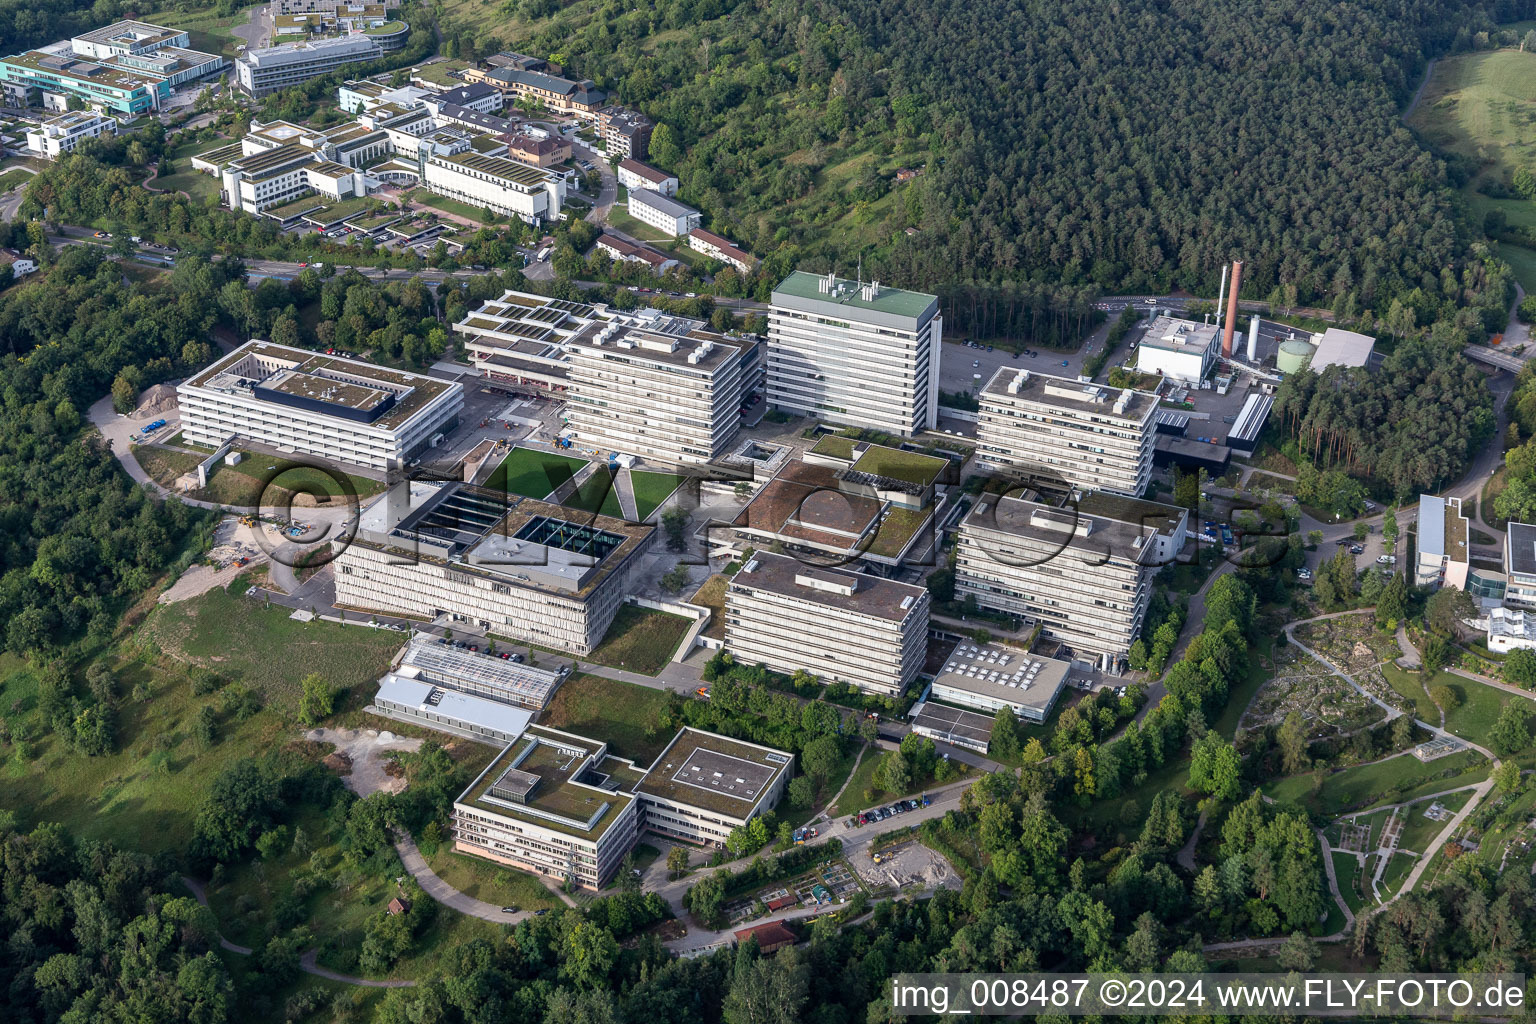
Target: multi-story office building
[
  {"x": 669, "y": 397},
  {"x": 1520, "y": 565},
  {"x": 564, "y": 806},
  {"x": 269, "y": 69},
  {"x": 662, "y": 213},
  {"x": 546, "y": 152},
  {"x": 500, "y": 185},
  {"x": 704, "y": 785},
  {"x": 1442, "y": 543},
  {"x": 326, "y": 6},
  {"x": 625, "y": 132},
  {"x": 342, "y": 410},
  {"x": 59, "y": 135},
  {"x": 858, "y": 629},
  {"x": 127, "y": 38},
  {"x": 516, "y": 568},
  {"x": 635, "y": 175},
  {"x": 1066, "y": 435},
  {"x": 553, "y": 803},
  {"x": 50, "y": 79},
  {"x": 1083, "y": 572},
  {"x": 856, "y": 354}
]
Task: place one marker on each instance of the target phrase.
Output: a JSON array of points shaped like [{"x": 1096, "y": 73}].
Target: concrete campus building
[
  {"x": 268, "y": 69},
  {"x": 128, "y": 68},
  {"x": 990, "y": 677},
  {"x": 671, "y": 397},
  {"x": 662, "y": 213},
  {"x": 845, "y": 626},
  {"x": 563, "y": 806},
  {"x": 1181, "y": 349},
  {"x": 1065, "y": 435},
  {"x": 1083, "y": 573},
  {"x": 59, "y": 135},
  {"x": 342, "y": 410},
  {"x": 625, "y": 132},
  {"x": 865, "y": 356},
  {"x": 498, "y": 184},
  {"x": 1443, "y": 555},
  {"x": 517, "y": 568}
]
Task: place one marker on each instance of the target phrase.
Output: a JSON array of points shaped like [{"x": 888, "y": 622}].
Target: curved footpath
[{"x": 307, "y": 962}]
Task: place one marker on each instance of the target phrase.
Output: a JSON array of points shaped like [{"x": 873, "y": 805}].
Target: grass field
[
  {"x": 627, "y": 716},
  {"x": 1419, "y": 831},
  {"x": 209, "y": 32},
  {"x": 1412, "y": 687},
  {"x": 14, "y": 178},
  {"x": 1374, "y": 783},
  {"x": 640, "y": 640},
  {"x": 1479, "y": 105},
  {"x": 651, "y": 489},
  {"x": 597, "y": 494},
  {"x": 491, "y": 882},
  {"x": 1239, "y": 696},
  {"x": 1480, "y": 706},
  {"x": 533, "y": 473},
  {"x": 1347, "y": 868},
  {"x": 634, "y": 227},
  {"x": 455, "y": 207},
  {"x": 259, "y": 479}
]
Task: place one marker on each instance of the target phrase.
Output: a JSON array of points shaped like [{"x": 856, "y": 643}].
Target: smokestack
[
  {"x": 1221, "y": 296},
  {"x": 1226, "y": 334},
  {"x": 1253, "y": 341}
]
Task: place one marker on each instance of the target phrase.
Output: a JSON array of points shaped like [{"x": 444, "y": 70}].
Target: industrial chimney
[
  {"x": 1226, "y": 333},
  {"x": 1253, "y": 341}
]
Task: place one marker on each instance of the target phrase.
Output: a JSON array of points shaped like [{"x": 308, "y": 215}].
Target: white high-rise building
[
  {"x": 1083, "y": 572},
  {"x": 662, "y": 396},
  {"x": 861, "y": 355},
  {"x": 1066, "y": 435},
  {"x": 848, "y": 626}
]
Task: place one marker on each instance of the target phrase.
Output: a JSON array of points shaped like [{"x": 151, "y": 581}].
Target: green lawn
[
  {"x": 454, "y": 206},
  {"x": 651, "y": 489},
  {"x": 533, "y": 473},
  {"x": 1477, "y": 104},
  {"x": 194, "y": 183},
  {"x": 711, "y": 595},
  {"x": 14, "y": 178},
  {"x": 258, "y": 479},
  {"x": 1419, "y": 831},
  {"x": 1239, "y": 695},
  {"x": 597, "y": 494},
  {"x": 1391, "y": 781},
  {"x": 634, "y": 227},
  {"x": 641, "y": 640},
  {"x": 1347, "y": 868},
  {"x": 1480, "y": 706},
  {"x": 1411, "y": 686},
  {"x": 628, "y": 717},
  {"x": 490, "y": 882}
]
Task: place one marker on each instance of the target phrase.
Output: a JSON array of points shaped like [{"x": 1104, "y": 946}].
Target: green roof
[
  {"x": 891, "y": 301},
  {"x": 895, "y": 464},
  {"x": 834, "y": 445}
]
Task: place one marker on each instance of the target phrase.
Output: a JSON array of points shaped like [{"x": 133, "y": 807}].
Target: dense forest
[
  {"x": 1409, "y": 427},
  {"x": 1057, "y": 146}
]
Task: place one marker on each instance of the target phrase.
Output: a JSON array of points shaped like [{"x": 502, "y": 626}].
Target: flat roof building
[
  {"x": 672, "y": 396},
  {"x": 858, "y": 355},
  {"x": 513, "y": 567},
  {"x": 498, "y": 184},
  {"x": 101, "y": 85},
  {"x": 564, "y": 806},
  {"x": 1338, "y": 347},
  {"x": 425, "y": 703},
  {"x": 705, "y": 785},
  {"x": 1083, "y": 573},
  {"x": 519, "y": 684},
  {"x": 1443, "y": 555},
  {"x": 59, "y": 135},
  {"x": 1182, "y": 349},
  {"x": 990, "y": 677},
  {"x": 127, "y": 38},
  {"x": 268, "y": 69},
  {"x": 546, "y": 804},
  {"x": 1064, "y": 435},
  {"x": 846, "y": 626},
  {"x": 343, "y": 410},
  {"x": 1520, "y": 565},
  {"x": 1511, "y": 629}
]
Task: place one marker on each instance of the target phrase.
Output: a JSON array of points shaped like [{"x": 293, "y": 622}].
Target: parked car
[
  {"x": 509, "y": 910},
  {"x": 1356, "y": 549}
]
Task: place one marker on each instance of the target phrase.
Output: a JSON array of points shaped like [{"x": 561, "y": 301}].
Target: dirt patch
[
  {"x": 910, "y": 865},
  {"x": 232, "y": 541},
  {"x": 363, "y": 753}
]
